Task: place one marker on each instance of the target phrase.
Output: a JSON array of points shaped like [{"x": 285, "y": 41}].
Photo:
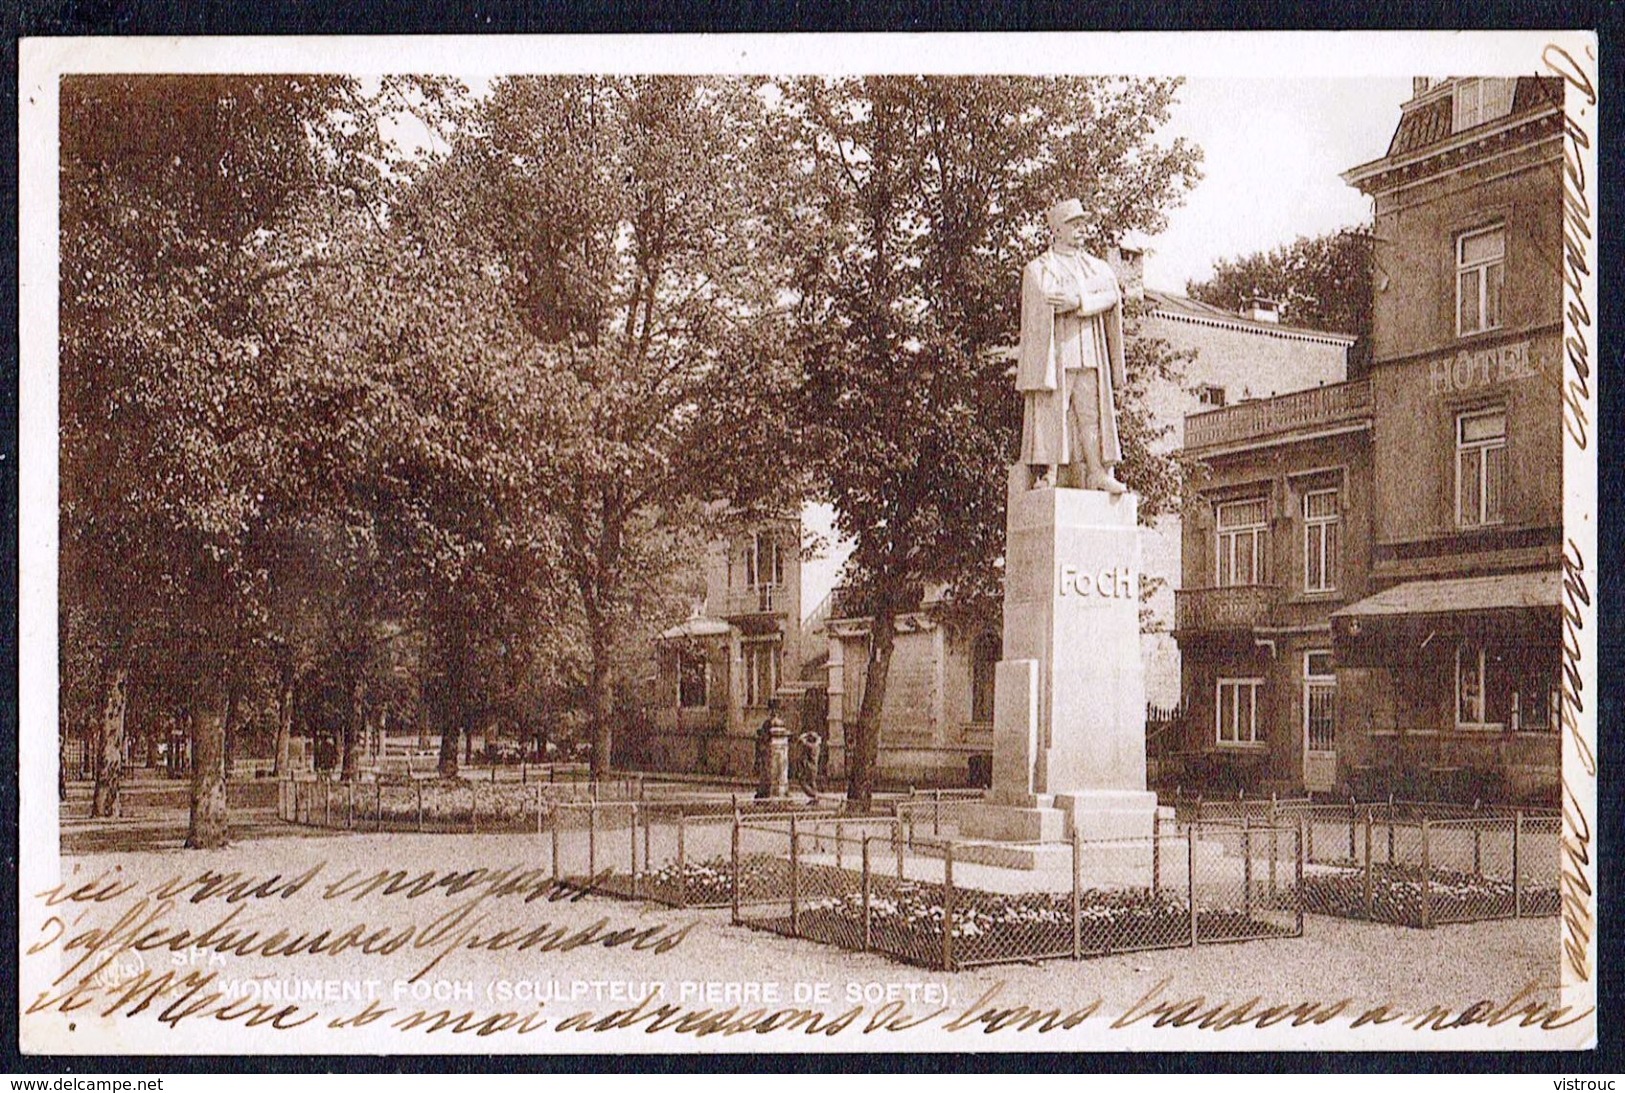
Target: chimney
[
  {"x": 1129, "y": 265},
  {"x": 1419, "y": 86},
  {"x": 1261, "y": 309}
]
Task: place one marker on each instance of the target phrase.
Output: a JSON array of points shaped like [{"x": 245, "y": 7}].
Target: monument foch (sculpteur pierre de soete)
[{"x": 1069, "y": 693}]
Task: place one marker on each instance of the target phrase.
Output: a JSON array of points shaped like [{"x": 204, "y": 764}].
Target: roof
[
  {"x": 1432, "y": 122},
  {"x": 1536, "y": 588},
  {"x": 1183, "y": 307},
  {"x": 1426, "y": 139}
]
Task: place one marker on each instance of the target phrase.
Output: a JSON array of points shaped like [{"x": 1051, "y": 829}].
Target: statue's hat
[{"x": 1062, "y": 211}]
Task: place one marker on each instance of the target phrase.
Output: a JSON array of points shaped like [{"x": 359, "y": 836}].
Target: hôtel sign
[{"x": 1474, "y": 368}]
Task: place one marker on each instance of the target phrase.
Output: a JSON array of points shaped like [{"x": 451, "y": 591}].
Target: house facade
[
  {"x": 1437, "y": 652},
  {"x": 742, "y": 648}
]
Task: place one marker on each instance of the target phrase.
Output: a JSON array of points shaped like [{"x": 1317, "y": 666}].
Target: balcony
[
  {"x": 765, "y": 599},
  {"x": 849, "y": 602},
  {"x": 1224, "y": 610},
  {"x": 1303, "y": 412}
]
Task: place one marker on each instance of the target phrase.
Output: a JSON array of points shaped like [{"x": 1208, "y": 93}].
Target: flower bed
[
  {"x": 1397, "y": 897},
  {"x": 906, "y": 921},
  {"x": 446, "y": 805}
]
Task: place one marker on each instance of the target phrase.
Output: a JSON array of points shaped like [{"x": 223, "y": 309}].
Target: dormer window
[
  {"x": 1480, "y": 99},
  {"x": 1210, "y": 394}
]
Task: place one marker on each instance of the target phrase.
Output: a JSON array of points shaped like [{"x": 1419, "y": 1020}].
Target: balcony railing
[
  {"x": 766, "y": 599},
  {"x": 1213, "y": 610},
  {"x": 1318, "y": 407},
  {"x": 848, "y": 602}
]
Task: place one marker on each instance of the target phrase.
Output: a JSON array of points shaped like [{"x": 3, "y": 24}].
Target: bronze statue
[{"x": 1070, "y": 363}]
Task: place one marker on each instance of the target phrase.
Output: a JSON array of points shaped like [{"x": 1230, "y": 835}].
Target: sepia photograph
[{"x": 877, "y": 543}]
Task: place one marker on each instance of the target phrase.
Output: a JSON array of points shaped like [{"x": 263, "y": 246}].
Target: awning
[
  {"x": 1535, "y": 589},
  {"x": 1392, "y": 627},
  {"x": 696, "y": 626}
]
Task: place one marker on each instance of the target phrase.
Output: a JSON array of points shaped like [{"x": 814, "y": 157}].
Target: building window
[
  {"x": 1243, "y": 539},
  {"x": 1209, "y": 394},
  {"x": 761, "y": 672},
  {"x": 1482, "y": 694},
  {"x": 1320, "y": 535},
  {"x": 691, "y": 680},
  {"x": 1480, "y": 258},
  {"x": 1481, "y": 444},
  {"x": 985, "y": 653},
  {"x": 764, "y": 569},
  {"x": 1319, "y": 702},
  {"x": 1236, "y": 718},
  {"x": 1481, "y": 99},
  {"x": 1506, "y": 687}
]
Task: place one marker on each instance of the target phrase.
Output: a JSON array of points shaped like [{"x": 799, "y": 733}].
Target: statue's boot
[{"x": 1104, "y": 479}]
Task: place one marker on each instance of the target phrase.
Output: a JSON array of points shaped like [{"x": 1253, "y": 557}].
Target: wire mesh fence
[
  {"x": 918, "y": 899},
  {"x": 1398, "y": 864}
]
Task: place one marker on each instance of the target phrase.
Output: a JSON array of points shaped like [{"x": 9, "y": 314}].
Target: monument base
[{"x": 1112, "y": 824}]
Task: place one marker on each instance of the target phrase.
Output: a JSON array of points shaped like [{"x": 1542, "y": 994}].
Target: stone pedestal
[{"x": 1069, "y": 695}]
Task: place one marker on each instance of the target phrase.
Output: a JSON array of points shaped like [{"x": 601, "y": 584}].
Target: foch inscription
[{"x": 1112, "y": 583}]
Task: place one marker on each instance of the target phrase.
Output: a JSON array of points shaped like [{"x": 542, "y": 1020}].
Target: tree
[
  {"x": 181, "y": 197},
  {"x": 629, "y": 219},
  {"x": 923, "y": 199},
  {"x": 1323, "y": 282}
]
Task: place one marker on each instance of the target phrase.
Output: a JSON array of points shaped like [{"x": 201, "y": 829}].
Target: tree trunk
[
  {"x": 207, "y": 829},
  {"x": 603, "y": 707},
  {"x": 110, "y": 743},
  {"x": 284, "y": 719},
  {"x": 228, "y": 736},
  {"x": 863, "y": 747},
  {"x": 355, "y": 724},
  {"x": 450, "y": 704}
]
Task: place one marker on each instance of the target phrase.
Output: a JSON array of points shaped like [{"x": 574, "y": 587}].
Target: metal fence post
[
  {"x": 864, "y": 852},
  {"x": 897, "y": 845},
  {"x": 1390, "y": 834},
  {"x": 473, "y": 808},
  {"x": 1156, "y": 854},
  {"x": 1352, "y": 820},
  {"x": 633, "y": 837},
  {"x": 539, "y": 809},
  {"x": 682, "y": 858},
  {"x": 555, "y": 828},
  {"x": 795, "y": 879},
  {"x": 839, "y": 829},
  {"x": 1275, "y": 847},
  {"x": 646, "y": 857},
  {"x": 734, "y": 854},
  {"x": 378, "y": 806},
  {"x": 1077, "y": 895},
  {"x": 592, "y": 839},
  {"x": 419, "y": 787},
  {"x": 1427, "y": 879},
  {"x": 349, "y": 805},
  {"x": 936, "y": 812},
  {"x": 327, "y": 803},
  {"x": 1517, "y": 872},
  {"x": 1297, "y": 878},
  {"x": 1247, "y": 865},
  {"x": 1369, "y": 906},
  {"x": 1190, "y": 877},
  {"x": 1478, "y": 850},
  {"x": 948, "y": 908}
]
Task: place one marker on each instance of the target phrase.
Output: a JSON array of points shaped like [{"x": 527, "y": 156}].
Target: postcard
[{"x": 902, "y": 543}]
